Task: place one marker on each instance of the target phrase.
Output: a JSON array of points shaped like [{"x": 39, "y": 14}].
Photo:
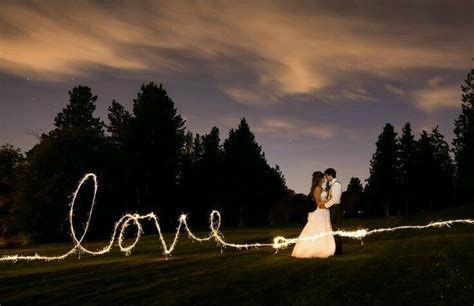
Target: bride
[{"x": 318, "y": 222}]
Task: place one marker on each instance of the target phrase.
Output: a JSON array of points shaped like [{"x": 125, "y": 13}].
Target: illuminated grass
[{"x": 435, "y": 266}]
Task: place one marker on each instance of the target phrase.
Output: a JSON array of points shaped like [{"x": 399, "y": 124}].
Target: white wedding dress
[{"x": 319, "y": 221}]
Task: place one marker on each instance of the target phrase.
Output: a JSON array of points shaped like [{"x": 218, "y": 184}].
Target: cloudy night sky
[{"x": 316, "y": 80}]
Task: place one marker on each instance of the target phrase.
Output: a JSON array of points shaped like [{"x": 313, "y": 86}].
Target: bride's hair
[{"x": 318, "y": 177}]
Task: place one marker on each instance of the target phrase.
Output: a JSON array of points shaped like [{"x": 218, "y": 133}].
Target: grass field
[{"x": 434, "y": 266}]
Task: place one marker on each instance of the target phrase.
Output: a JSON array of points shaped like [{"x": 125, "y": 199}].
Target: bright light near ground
[{"x": 215, "y": 234}]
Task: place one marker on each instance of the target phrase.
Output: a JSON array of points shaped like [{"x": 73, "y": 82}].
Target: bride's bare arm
[{"x": 317, "y": 196}]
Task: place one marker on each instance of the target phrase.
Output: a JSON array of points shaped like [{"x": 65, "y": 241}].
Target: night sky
[{"x": 316, "y": 81}]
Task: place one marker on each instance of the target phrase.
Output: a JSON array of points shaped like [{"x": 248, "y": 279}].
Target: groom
[{"x": 334, "y": 205}]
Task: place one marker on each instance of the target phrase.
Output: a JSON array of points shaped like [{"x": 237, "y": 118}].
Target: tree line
[
  {"x": 410, "y": 174},
  {"x": 146, "y": 161}
]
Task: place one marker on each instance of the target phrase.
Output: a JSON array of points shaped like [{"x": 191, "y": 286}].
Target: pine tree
[
  {"x": 11, "y": 159},
  {"x": 187, "y": 176},
  {"x": 118, "y": 170},
  {"x": 434, "y": 172},
  {"x": 244, "y": 163},
  {"x": 188, "y": 144},
  {"x": 445, "y": 169},
  {"x": 78, "y": 113},
  {"x": 464, "y": 142},
  {"x": 119, "y": 123},
  {"x": 197, "y": 147},
  {"x": 275, "y": 189},
  {"x": 190, "y": 183},
  {"x": 74, "y": 147},
  {"x": 352, "y": 197},
  {"x": 157, "y": 138},
  {"x": 383, "y": 179},
  {"x": 211, "y": 146},
  {"x": 407, "y": 166},
  {"x": 355, "y": 185},
  {"x": 209, "y": 174},
  {"x": 251, "y": 185},
  {"x": 425, "y": 163}
]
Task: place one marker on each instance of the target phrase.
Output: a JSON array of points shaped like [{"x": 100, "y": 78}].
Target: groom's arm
[{"x": 335, "y": 195}]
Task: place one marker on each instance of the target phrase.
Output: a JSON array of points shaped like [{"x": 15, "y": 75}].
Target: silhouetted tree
[
  {"x": 55, "y": 165},
  {"x": 143, "y": 160},
  {"x": 275, "y": 188},
  {"x": 200, "y": 186},
  {"x": 425, "y": 163},
  {"x": 209, "y": 173},
  {"x": 119, "y": 123},
  {"x": 408, "y": 176},
  {"x": 187, "y": 175},
  {"x": 434, "y": 172},
  {"x": 78, "y": 113},
  {"x": 292, "y": 208},
  {"x": 443, "y": 159},
  {"x": 188, "y": 143},
  {"x": 355, "y": 185},
  {"x": 115, "y": 185},
  {"x": 197, "y": 147},
  {"x": 352, "y": 197},
  {"x": 11, "y": 159},
  {"x": 189, "y": 182},
  {"x": 464, "y": 142},
  {"x": 382, "y": 182},
  {"x": 251, "y": 186},
  {"x": 157, "y": 138}
]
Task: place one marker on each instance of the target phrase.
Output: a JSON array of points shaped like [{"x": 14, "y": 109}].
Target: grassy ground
[{"x": 434, "y": 266}]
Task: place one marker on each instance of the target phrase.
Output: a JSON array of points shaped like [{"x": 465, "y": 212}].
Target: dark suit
[{"x": 335, "y": 212}]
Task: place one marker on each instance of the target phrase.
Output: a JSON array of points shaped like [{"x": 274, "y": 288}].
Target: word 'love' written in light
[{"x": 215, "y": 234}]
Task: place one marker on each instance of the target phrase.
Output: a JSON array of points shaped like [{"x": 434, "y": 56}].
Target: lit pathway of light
[{"x": 215, "y": 222}]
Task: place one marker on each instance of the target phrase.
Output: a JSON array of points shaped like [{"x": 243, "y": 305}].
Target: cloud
[
  {"x": 284, "y": 128},
  {"x": 320, "y": 132},
  {"x": 395, "y": 90},
  {"x": 436, "y": 98},
  {"x": 438, "y": 93},
  {"x": 258, "y": 53},
  {"x": 250, "y": 97},
  {"x": 435, "y": 81}
]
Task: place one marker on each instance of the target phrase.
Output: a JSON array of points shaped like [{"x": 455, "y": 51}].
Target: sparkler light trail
[{"x": 127, "y": 220}]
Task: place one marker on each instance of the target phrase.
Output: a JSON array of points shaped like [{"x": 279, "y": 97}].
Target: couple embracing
[{"x": 326, "y": 192}]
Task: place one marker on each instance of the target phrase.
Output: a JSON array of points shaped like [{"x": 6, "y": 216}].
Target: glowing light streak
[{"x": 127, "y": 220}]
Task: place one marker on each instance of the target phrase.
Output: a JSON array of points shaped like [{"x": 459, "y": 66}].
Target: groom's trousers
[{"x": 335, "y": 212}]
